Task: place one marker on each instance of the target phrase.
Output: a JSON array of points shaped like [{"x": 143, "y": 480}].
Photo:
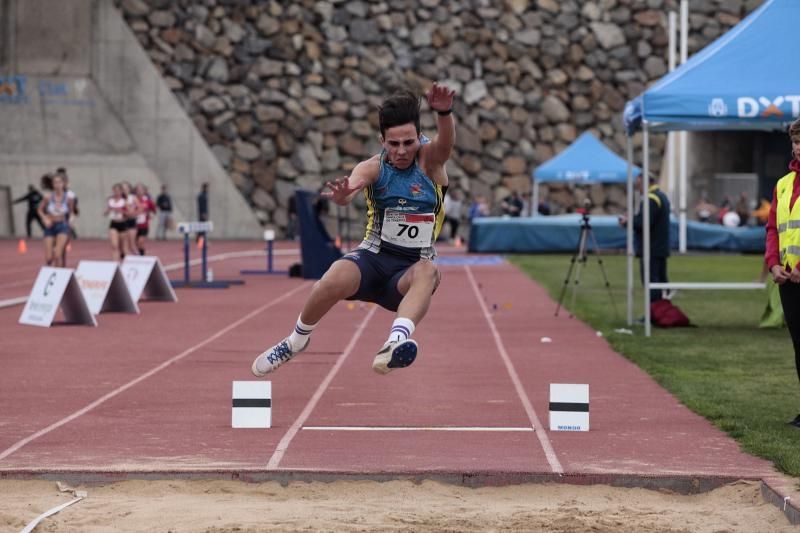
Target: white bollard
[
  {"x": 252, "y": 404},
  {"x": 569, "y": 407}
]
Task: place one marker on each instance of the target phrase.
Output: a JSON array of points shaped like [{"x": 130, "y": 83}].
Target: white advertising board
[
  {"x": 146, "y": 279},
  {"x": 56, "y": 288},
  {"x": 104, "y": 287}
]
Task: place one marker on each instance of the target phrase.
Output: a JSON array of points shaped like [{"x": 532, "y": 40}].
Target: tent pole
[
  {"x": 682, "y": 136},
  {"x": 535, "y": 201},
  {"x": 646, "y": 227},
  {"x": 672, "y": 37},
  {"x": 629, "y": 228},
  {"x": 684, "y": 184}
]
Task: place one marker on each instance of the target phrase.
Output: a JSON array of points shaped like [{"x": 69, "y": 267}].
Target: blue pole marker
[
  {"x": 204, "y": 227},
  {"x": 269, "y": 238}
]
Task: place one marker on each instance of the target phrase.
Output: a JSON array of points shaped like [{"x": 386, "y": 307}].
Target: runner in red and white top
[
  {"x": 146, "y": 208},
  {"x": 117, "y": 228}
]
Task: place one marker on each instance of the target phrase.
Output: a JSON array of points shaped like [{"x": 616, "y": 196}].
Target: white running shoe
[
  {"x": 398, "y": 354},
  {"x": 274, "y": 357}
]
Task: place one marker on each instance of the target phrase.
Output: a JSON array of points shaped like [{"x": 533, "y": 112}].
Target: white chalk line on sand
[
  {"x": 80, "y": 412},
  {"x": 552, "y": 459}
]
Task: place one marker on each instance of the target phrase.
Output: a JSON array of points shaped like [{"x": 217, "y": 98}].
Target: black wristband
[{"x": 444, "y": 113}]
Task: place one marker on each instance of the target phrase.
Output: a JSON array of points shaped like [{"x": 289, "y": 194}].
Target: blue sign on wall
[{"x": 13, "y": 90}]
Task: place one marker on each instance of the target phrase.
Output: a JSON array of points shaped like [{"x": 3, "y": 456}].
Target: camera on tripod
[
  {"x": 587, "y": 203},
  {"x": 580, "y": 259}
]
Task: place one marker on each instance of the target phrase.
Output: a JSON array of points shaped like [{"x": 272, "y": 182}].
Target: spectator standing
[
  {"x": 202, "y": 207},
  {"x": 164, "y": 204},
  {"x": 33, "y": 198},
  {"x": 743, "y": 209},
  {"x": 291, "y": 221},
  {"x": 453, "y": 207},
  {"x": 704, "y": 210},
  {"x": 512, "y": 205},
  {"x": 479, "y": 208},
  {"x": 782, "y": 254},
  {"x": 659, "y": 235}
]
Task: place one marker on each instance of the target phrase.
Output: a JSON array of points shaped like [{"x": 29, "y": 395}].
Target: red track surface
[{"x": 150, "y": 394}]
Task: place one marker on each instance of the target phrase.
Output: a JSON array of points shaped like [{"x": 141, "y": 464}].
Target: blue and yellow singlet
[{"x": 404, "y": 212}]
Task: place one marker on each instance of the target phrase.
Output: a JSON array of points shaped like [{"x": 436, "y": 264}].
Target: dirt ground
[{"x": 222, "y": 506}]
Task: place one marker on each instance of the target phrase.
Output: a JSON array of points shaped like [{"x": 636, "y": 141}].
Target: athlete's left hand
[{"x": 440, "y": 98}]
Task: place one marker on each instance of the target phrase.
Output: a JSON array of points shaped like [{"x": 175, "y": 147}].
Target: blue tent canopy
[
  {"x": 587, "y": 160},
  {"x": 746, "y": 79}
]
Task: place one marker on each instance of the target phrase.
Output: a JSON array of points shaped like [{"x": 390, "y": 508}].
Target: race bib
[{"x": 411, "y": 230}]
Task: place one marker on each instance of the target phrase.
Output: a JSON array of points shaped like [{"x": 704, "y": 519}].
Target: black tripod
[{"x": 580, "y": 259}]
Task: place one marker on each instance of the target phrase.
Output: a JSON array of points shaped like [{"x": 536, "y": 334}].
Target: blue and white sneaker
[
  {"x": 398, "y": 354},
  {"x": 274, "y": 357}
]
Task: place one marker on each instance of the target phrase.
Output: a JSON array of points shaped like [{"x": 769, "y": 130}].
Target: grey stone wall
[{"x": 286, "y": 92}]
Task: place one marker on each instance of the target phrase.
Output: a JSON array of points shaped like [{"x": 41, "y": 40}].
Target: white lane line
[
  {"x": 415, "y": 428},
  {"x": 552, "y": 459},
  {"x": 283, "y": 445},
  {"x": 13, "y": 301},
  {"x": 173, "y": 266},
  {"x": 149, "y": 373}
]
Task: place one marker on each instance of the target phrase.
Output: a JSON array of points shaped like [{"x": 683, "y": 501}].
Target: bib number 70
[{"x": 413, "y": 231}]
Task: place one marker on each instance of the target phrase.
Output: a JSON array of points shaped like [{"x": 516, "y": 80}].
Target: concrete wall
[
  {"x": 84, "y": 95},
  {"x": 91, "y": 177}
]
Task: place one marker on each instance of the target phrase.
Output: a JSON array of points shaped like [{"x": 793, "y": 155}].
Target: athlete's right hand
[{"x": 340, "y": 190}]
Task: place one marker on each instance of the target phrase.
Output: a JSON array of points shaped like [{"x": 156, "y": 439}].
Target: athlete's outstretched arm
[
  {"x": 343, "y": 190},
  {"x": 440, "y": 99}
]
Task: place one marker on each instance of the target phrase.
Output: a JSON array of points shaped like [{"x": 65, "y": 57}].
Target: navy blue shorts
[
  {"x": 380, "y": 274},
  {"x": 57, "y": 228}
]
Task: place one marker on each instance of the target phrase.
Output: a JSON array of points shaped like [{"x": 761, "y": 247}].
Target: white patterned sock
[
  {"x": 402, "y": 328},
  {"x": 299, "y": 337}
]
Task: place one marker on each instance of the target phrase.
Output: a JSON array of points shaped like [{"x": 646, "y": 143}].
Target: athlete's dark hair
[
  {"x": 794, "y": 128},
  {"x": 400, "y": 108}
]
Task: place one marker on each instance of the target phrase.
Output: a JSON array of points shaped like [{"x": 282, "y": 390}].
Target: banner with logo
[
  {"x": 740, "y": 81},
  {"x": 104, "y": 287},
  {"x": 54, "y": 289},
  {"x": 146, "y": 279}
]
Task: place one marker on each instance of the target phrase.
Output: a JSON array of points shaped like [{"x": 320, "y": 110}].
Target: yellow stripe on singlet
[
  {"x": 371, "y": 210},
  {"x": 438, "y": 211}
]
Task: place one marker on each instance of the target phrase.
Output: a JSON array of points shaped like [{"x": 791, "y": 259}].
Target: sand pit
[{"x": 221, "y": 506}]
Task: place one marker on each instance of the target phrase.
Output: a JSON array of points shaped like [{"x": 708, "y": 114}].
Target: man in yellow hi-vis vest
[{"x": 783, "y": 245}]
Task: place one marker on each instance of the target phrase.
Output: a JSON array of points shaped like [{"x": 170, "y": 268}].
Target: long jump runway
[{"x": 149, "y": 395}]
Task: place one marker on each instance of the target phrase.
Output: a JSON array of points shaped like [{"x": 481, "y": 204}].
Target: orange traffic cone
[
  {"x": 22, "y": 246},
  {"x": 338, "y": 241},
  {"x": 200, "y": 242}
]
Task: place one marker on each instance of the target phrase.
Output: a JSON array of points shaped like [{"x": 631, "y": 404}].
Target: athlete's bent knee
[
  {"x": 335, "y": 287},
  {"x": 427, "y": 271}
]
